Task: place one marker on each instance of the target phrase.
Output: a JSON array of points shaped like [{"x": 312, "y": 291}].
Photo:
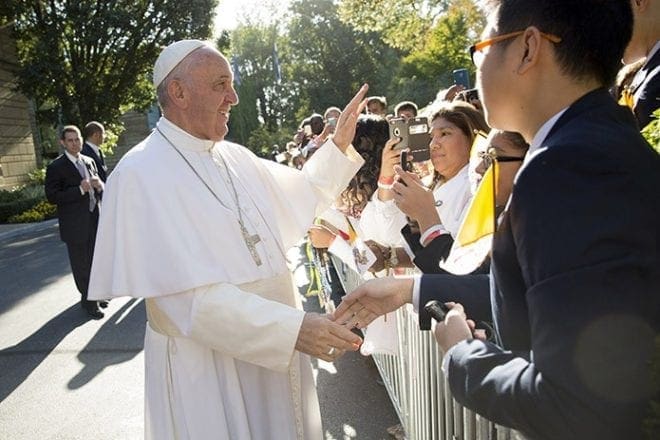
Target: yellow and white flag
[{"x": 474, "y": 238}]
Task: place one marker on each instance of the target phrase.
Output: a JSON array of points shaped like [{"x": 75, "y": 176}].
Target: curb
[{"x": 27, "y": 227}]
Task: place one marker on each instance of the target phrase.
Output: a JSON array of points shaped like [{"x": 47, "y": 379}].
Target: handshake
[{"x": 328, "y": 336}]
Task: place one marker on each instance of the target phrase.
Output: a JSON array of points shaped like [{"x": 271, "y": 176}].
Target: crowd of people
[{"x": 567, "y": 286}]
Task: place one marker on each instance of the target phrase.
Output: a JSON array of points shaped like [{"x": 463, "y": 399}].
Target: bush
[
  {"x": 38, "y": 176},
  {"x": 652, "y": 131},
  {"x": 18, "y": 200},
  {"x": 39, "y": 212}
]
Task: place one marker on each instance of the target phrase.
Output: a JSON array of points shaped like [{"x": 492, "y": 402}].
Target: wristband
[
  {"x": 385, "y": 180},
  {"x": 384, "y": 186},
  {"x": 431, "y": 233}
]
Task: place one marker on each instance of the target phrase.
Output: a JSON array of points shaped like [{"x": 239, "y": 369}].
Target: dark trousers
[{"x": 80, "y": 257}]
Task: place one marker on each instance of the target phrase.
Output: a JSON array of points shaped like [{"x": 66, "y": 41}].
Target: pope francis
[{"x": 199, "y": 228}]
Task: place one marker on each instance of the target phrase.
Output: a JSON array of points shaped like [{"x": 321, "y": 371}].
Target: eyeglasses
[
  {"x": 476, "y": 50},
  {"x": 489, "y": 156}
]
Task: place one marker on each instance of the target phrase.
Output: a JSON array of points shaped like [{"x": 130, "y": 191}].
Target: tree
[
  {"x": 400, "y": 23},
  {"x": 326, "y": 60},
  {"x": 254, "y": 59},
  {"x": 424, "y": 71},
  {"x": 93, "y": 59}
]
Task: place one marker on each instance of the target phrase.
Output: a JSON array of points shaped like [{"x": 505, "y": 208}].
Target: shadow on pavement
[
  {"x": 19, "y": 361},
  {"x": 30, "y": 262},
  {"x": 353, "y": 405},
  {"x": 119, "y": 340}
]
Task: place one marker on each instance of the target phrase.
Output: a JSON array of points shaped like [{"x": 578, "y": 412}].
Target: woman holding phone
[{"x": 402, "y": 224}]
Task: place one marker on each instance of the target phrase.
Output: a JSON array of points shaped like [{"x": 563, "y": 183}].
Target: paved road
[{"x": 63, "y": 376}]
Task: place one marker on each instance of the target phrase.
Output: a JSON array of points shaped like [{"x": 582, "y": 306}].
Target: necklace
[{"x": 249, "y": 240}]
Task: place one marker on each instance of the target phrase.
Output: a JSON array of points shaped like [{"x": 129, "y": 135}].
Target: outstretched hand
[
  {"x": 372, "y": 299},
  {"x": 345, "y": 129},
  {"x": 322, "y": 338}
]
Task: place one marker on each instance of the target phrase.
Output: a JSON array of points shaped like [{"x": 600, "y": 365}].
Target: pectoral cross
[{"x": 250, "y": 242}]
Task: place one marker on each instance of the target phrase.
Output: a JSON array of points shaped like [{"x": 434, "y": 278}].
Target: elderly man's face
[{"x": 212, "y": 95}]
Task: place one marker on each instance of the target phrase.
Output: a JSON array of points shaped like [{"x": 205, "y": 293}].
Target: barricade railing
[{"x": 417, "y": 386}]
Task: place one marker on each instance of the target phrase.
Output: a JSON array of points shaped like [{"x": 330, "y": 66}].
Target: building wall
[
  {"x": 136, "y": 128},
  {"x": 17, "y": 151}
]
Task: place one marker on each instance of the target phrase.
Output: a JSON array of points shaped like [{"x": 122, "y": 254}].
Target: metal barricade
[{"x": 417, "y": 386}]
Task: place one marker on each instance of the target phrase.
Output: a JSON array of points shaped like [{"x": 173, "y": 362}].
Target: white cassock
[{"x": 219, "y": 348}]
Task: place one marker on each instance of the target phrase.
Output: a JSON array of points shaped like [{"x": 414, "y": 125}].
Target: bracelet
[
  {"x": 386, "y": 258},
  {"x": 431, "y": 233},
  {"x": 430, "y": 238},
  {"x": 386, "y": 180},
  {"x": 394, "y": 258},
  {"x": 384, "y": 186}
]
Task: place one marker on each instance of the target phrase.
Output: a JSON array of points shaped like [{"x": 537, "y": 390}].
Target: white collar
[
  {"x": 539, "y": 137},
  {"x": 181, "y": 138},
  {"x": 71, "y": 157}
]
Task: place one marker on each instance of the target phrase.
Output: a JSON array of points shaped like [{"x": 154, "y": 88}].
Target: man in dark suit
[
  {"x": 645, "y": 43},
  {"x": 575, "y": 271},
  {"x": 73, "y": 184},
  {"x": 94, "y": 134}
]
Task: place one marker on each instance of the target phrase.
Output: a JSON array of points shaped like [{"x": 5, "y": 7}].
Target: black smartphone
[
  {"x": 405, "y": 163},
  {"x": 462, "y": 78},
  {"x": 419, "y": 139},
  {"x": 438, "y": 310},
  {"x": 471, "y": 94},
  {"x": 414, "y": 135}
]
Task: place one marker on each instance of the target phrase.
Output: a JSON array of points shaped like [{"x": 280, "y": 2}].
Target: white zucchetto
[{"x": 171, "y": 56}]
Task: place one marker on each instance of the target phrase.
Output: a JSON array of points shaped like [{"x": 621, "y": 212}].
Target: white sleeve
[
  {"x": 297, "y": 196},
  {"x": 382, "y": 222},
  {"x": 236, "y": 323}
]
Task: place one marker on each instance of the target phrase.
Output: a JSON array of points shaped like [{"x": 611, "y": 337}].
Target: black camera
[
  {"x": 414, "y": 135},
  {"x": 438, "y": 310}
]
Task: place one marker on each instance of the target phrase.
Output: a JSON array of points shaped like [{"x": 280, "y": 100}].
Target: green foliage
[
  {"x": 19, "y": 199},
  {"x": 652, "y": 131},
  {"x": 261, "y": 140},
  {"x": 425, "y": 71},
  {"x": 326, "y": 60},
  {"x": 38, "y": 176},
  {"x": 93, "y": 59},
  {"x": 112, "y": 133},
  {"x": 400, "y": 23},
  {"x": 39, "y": 212},
  {"x": 252, "y": 52},
  {"x": 323, "y": 62}
]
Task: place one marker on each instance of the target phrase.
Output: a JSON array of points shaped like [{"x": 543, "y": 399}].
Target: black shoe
[
  {"x": 103, "y": 304},
  {"x": 94, "y": 312}
]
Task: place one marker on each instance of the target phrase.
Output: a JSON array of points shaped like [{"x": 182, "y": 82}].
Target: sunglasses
[{"x": 476, "y": 50}]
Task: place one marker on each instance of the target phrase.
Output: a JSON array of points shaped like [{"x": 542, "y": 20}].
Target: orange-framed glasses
[{"x": 476, "y": 49}]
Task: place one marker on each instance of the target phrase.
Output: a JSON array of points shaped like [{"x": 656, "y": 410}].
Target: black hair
[
  {"x": 69, "y": 129},
  {"x": 371, "y": 134},
  {"x": 316, "y": 121},
  {"x": 594, "y": 33},
  {"x": 405, "y": 105}
]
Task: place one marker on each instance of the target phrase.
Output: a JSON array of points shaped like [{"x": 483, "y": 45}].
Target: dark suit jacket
[
  {"x": 646, "y": 85},
  {"x": 62, "y": 188},
  {"x": 472, "y": 291},
  {"x": 575, "y": 285},
  {"x": 88, "y": 151}
]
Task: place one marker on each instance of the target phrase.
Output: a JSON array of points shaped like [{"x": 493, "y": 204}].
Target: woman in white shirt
[{"x": 435, "y": 210}]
